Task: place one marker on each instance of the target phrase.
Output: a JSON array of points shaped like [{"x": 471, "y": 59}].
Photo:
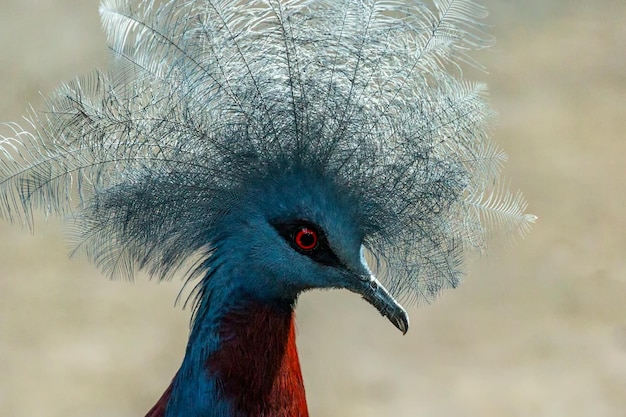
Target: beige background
[{"x": 536, "y": 331}]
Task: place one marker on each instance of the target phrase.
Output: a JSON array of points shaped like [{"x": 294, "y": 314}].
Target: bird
[{"x": 264, "y": 149}]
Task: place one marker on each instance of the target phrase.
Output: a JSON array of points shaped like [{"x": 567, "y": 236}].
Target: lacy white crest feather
[{"x": 202, "y": 97}]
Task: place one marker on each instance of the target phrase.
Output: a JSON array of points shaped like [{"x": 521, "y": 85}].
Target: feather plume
[{"x": 202, "y": 98}]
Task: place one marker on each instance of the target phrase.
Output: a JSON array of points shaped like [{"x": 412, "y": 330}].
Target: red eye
[{"x": 306, "y": 239}]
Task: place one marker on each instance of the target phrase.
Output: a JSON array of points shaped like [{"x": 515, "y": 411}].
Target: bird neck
[{"x": 244, "y": 363}]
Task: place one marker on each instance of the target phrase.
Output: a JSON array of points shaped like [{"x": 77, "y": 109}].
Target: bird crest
[{"x": 354, "y": 110}]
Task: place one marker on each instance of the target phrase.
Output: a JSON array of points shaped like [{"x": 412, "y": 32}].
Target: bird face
[{"x": 301, "y": 235}]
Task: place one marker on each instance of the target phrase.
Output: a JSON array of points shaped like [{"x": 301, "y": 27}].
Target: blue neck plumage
[
  {"x": 239, "y": 349},
  {"x": 194, "y": 390}
]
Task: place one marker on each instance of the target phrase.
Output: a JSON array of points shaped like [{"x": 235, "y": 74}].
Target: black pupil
[{"x": 307, "y": 238}]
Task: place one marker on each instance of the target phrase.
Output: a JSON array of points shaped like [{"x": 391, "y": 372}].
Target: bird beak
[{"x": 374, "y": 293}]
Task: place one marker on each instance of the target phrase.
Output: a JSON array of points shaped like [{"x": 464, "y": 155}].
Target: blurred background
[{"x": 537, "y": 330}]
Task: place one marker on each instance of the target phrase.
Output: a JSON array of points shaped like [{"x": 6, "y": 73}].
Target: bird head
[
  {"x": 296, "y": 229},
  {"x": 287, "y": 137}
]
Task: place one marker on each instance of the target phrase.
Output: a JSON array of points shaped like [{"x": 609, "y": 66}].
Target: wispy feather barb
[{"x": 207, "y": 100}]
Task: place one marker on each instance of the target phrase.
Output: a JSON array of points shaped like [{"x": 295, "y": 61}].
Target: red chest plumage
[{"x": 257, "y": 365}]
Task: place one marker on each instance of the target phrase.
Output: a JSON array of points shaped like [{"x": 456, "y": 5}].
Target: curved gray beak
[{"x": 374, "y": 293}]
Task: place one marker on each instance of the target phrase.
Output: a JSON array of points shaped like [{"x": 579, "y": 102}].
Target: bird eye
[{"x": 306, "y": 238}]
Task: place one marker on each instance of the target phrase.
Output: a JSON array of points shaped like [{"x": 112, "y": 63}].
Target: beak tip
[{"x": 402, "y": 323}]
